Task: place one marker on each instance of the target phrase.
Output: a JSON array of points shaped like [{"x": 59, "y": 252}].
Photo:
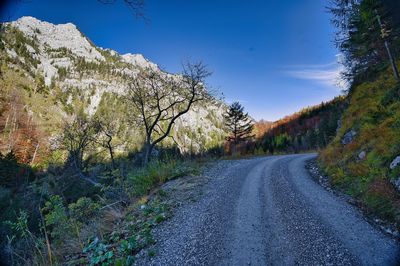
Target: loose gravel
[{"x": 264, "y": 211}]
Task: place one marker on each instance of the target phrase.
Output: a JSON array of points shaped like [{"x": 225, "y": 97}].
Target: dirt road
[{"x": 268, "y": 211}]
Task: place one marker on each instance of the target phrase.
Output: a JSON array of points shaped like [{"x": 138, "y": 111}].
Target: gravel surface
[{"x": 265, "y": 211}]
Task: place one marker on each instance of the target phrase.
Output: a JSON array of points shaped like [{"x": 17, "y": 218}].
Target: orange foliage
[
  {"x": 261, "y": 127},
  {"x": 19, "y": 133}
]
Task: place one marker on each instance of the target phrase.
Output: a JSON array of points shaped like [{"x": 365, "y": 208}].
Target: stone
[
  {"x": 396, "y": 183},
  {"x": 362, "y": 155},
  {"x": 339, "y": 125},
  {"x": 348, "y": 137},
  {"x": 395, "y": 162}
]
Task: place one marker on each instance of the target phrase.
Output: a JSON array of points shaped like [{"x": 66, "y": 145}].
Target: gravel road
[{"x": 268, "y": 211}]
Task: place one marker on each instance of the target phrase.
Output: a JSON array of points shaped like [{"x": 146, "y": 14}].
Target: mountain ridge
[{"x": 71, "y": 69}]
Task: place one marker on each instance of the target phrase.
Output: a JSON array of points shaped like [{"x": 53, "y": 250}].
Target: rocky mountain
[{"x": 60, "y": 70}]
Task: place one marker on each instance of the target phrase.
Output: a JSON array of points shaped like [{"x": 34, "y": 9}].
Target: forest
[{"x": 310, "y": 129}]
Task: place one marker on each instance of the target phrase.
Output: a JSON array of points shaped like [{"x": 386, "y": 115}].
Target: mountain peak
[
  {"x": 58, "y": 36},
  {"x": 138, "y": 59}
]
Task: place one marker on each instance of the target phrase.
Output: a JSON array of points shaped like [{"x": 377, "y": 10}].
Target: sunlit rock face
[{"x": 68, "y": 60}]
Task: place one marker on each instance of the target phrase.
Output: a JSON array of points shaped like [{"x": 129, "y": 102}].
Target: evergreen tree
[
  {"x": 239, "y": 123},
  {"x": 367, "y": 36}
]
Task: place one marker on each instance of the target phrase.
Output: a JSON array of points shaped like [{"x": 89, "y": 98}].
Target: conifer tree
[{"x": 239, "y": 123}]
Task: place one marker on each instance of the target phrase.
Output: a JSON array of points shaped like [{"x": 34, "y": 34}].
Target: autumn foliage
[
  {"x": 309, "y": 129},
  {"x": 19, "y": 132}
]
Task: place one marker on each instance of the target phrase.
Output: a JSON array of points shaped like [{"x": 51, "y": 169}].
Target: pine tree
[
  {"x": 368, "y": 35},
  {"x": 239, "y": 123}
]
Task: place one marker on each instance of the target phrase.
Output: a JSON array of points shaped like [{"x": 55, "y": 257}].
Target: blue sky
[{"x": 274, "y": 56}]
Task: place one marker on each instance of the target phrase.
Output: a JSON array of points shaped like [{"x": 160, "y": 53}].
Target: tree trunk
[
  {"x": 391, "y": 58},
  {"x": 147, "y": 152},
  {"x": 34, "y": 154},
  {"x": 111, "y": 152}
]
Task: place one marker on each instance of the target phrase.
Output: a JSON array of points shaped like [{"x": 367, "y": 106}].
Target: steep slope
[
  {"x": 50, "y": 71},
  {"x": 309, "y": 129},
  {"x": 363, "y": 159}
]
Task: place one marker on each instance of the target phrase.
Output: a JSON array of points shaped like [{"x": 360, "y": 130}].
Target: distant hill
[{"x": 309, "y": 129}]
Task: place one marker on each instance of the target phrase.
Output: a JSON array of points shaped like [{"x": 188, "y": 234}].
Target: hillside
[
  {"x": 311, "y": 128},
  {"x": 363, "y": 158},
  {"x": 50, "y": 72}
]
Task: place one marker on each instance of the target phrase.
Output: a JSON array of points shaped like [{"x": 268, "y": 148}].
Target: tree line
[{"x": 367, "y": 35}]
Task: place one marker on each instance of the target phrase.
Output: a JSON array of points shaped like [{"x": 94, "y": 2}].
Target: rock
[
  {"x": 396, "y": 183},
  {"x": 362, "y": 155},
  {"x": 339, "y": 125},
  {"x": 395, "y": 162},
  {"x": 348, "y": 137}
]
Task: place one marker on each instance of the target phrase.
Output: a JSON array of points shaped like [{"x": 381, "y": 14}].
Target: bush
[
  {"x": 83, "y": 209},
  {"x": 56, "y": 218},
  {"x": 157, "y": 172}
]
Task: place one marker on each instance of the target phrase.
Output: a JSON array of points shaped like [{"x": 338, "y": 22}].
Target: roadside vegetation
[
  {"x": 48, "y": 220},
  {"x": 361, "y": 159},
  {"x": 361, "y": 167}
]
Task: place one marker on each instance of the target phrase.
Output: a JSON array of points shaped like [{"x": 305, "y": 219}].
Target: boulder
[
  {"x": 396, "y": 183},
  {"x": 348, "y": 137},
  {"x": 395, "y": 162},
  {"x": 362, "y": 155}
]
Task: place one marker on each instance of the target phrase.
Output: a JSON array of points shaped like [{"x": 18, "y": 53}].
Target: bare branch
[{"x": 161, "y": 99}]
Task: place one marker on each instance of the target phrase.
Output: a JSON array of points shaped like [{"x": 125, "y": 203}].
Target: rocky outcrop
[
  {"x": 396, "y": 183},
  {"x": 348, "y": 137},
  {"x": 362, "y": 155},
  {"x": 395, "y": 162}
]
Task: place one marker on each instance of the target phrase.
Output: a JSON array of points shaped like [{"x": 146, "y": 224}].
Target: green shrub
[
  {"x": 83, "y": 209},
  {"x": 157, "y": 172},
  {"x": 20, "y": 226},
  {"x": 99, "y": 253},
  {"x": 56, "y": 218}
]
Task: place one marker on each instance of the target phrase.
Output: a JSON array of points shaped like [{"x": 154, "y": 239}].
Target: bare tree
[
  {"x": 79, "y": 134},
  {"x": 107, "y": 129},
  {"x": 161, "y": 99}
]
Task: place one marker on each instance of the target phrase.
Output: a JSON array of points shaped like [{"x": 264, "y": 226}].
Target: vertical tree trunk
[
  {"x": 34, "y": 154},
  {"x": 147, "y": 152},
  {"x": 112, "y": 156},
  {"x": 111, "y": 152},
  {"x": 392, "y": 61},
  {"x": 390, "y": 55}
]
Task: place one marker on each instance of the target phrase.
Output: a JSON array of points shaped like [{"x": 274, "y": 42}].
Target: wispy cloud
[{"x": 325, "y": 74}]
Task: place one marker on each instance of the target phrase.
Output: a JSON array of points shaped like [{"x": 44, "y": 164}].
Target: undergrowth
[
  {"x": 374, "y": 114},
  {"x": 106, "y": 226}
]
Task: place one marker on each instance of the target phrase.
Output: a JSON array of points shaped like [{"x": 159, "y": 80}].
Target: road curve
[{"x": 268, "y": 211}]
